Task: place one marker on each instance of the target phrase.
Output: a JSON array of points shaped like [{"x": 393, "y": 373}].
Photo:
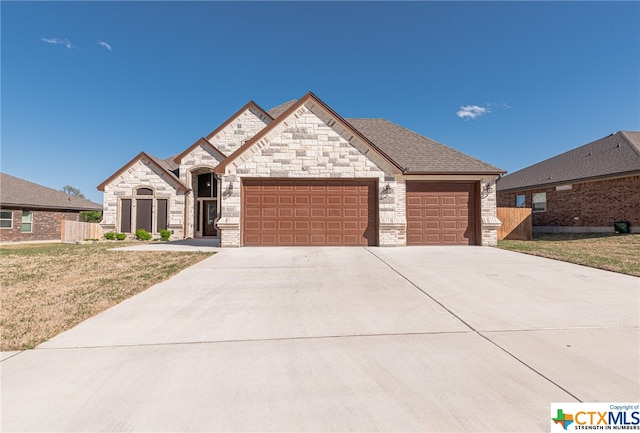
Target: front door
[{"x": 210, "y": 215}]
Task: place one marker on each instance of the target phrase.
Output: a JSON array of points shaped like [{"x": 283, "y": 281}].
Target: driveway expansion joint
[
  {"x": 257, "y": 340},
  {"x": 479, "y": 333}
]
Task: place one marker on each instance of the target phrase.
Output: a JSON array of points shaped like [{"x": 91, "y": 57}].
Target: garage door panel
[
  {"x": 285, "y": 212},
  {"x": 441, "y": 213},
  {"x": 309, "y": 212}
]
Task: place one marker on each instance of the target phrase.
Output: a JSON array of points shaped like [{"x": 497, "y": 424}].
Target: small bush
[
  {"x": 121, "y": 236},
  {"x": 165, "y": 235},
  {"x": 110, "y": 236},
  {"x": 143, "y": 235}
]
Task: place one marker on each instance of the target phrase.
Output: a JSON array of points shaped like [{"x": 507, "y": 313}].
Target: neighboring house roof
[
  {"x": 19, "y": 192},
  {"x": 418, "y": 154},
  {"x": 161, "y": 164},
  {"x": 615, "y": 155},
  {"x": 293, "y": 107},
  {"x": 278, "y": 110}
]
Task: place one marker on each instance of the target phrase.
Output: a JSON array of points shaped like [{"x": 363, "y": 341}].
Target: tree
[
  {"x": 72, "y": 191},
  {"x": 90, "y": 216}
]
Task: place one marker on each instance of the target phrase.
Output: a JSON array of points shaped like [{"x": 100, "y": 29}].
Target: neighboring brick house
[
  {"x": 300, "y": 174},
  {"x": 586, "y": 189},
  {"x": 30, "y": 212}
]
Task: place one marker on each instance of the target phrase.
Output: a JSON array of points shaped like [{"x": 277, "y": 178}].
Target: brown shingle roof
[
  {"x": 417, "y": 153},
  {"x": 18, "y": 192},
  {"x": 614, "y": 155},
  {"x": 278, "y": 110}
]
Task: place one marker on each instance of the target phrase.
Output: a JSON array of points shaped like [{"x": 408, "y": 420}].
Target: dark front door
[{"x": 210, "y": 215}]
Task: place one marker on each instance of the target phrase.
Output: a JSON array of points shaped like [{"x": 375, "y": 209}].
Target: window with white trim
[
  {"x": 520, "y": 200},
  {"x": 539, "y": 202},
  {"x": 27, "y": 221},
  {"x": 6, "y": 219}
]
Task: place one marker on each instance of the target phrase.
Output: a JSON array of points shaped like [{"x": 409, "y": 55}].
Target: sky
[{"x": 86, "y": 86}]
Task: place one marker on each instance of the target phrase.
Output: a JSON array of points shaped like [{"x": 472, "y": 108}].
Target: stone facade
[
  {"x": 45, "y": 225},
  {"x": 309, "y": 143},
  {"x": 238, "y": 131},
  {"x": 584, "y": 206},
  {"x": 144, "y": 174}
]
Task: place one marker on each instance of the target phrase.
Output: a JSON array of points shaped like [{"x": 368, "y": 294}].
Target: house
[
  {"x": 30, "y": 212},
  {"x": 586, "y": 189},
  {"x": 300, "y": 174}
]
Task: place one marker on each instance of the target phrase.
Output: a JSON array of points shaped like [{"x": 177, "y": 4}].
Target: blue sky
[{"x": 86, "y": 86}]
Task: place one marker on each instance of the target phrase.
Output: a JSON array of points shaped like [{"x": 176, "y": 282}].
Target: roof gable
[
  {"x": 153, "y": 161},
  {"x": 206, "y": 145},
  {"x": 281, "y": 123},
  {"x": 614, "y": 155},
  {"x": 20, "y": 192}
]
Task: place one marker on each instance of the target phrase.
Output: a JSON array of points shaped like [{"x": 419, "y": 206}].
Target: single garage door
[
  {"x": 309, "y": 212},
  {"x": 441, "y": 213}
]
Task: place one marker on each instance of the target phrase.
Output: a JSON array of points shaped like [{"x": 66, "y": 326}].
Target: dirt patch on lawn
[{"x": 47, "y": 289}]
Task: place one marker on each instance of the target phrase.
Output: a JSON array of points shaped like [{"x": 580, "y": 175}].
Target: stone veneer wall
[
  {"x": 309, "y": 143},
  {"x": 488, "y": 208},
  {"x": 46, "y": 225},
  {"x": 239, "y": 130},
  {"x": 143, "y": 174}
]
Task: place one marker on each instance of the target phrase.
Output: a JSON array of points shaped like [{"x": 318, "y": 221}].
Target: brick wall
[
  {"x": 45, "y": 226},
  {"x": 594, "y": 205}
]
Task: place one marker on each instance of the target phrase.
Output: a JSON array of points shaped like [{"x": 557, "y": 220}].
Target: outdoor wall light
[
  {"x": 486, "y": 188},
  {"x": 386, "y": 190},
  {"x": 228, "y": 191}
]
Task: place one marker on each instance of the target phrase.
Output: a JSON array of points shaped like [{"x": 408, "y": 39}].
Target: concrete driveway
[{"x": 339, "y": 339}]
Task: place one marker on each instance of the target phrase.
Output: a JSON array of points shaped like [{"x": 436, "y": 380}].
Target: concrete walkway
[{"x": 339, "y": 339}]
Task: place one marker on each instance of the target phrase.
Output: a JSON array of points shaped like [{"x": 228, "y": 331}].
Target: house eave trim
[{"x": 571, "y": 181}]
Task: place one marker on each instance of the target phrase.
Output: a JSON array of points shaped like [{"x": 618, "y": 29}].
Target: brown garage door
[
  {"x": 309, "y": 212},
  {"x": 441, "y": 213}
]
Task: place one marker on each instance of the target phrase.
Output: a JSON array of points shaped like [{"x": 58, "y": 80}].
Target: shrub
[
  {"x": 165, "y": 234},
  {"x": 110, "y": 235},
  {"x": 143, "y": 235},
  {"x": 121, "y": 236}
]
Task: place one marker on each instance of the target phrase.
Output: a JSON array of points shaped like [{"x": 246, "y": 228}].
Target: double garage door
[
  {"x": 309, "y": 212},
  {"x": 345, "y": 212}
]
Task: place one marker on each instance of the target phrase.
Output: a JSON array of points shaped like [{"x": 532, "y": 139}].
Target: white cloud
[
  {"x": 471, "y": 111},
  {"x": 58, "y": 41},
  {"x": 106, "y": 45},
  {"x": 498, "y": 105}
]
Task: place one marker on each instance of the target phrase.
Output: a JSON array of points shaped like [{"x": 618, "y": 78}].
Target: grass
[
  {"x": 612, "y": 252},
  {"x": 49, "y": 288}
]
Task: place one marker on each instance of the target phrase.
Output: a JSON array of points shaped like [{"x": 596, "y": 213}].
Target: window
[
  {"x": 207, "y": 185},
  {"x": 27, "y": 220},
  {"x": 539, "y": 201},
  {"x": 6, "y": 219},
  {"x": 520, "y": 200},
  {"x": 125, "y": 215}
]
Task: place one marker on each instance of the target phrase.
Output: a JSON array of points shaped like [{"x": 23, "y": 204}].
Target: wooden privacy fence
[
  {"x": 75, "y": 231},
  {"x": 516, "y": 223}
]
